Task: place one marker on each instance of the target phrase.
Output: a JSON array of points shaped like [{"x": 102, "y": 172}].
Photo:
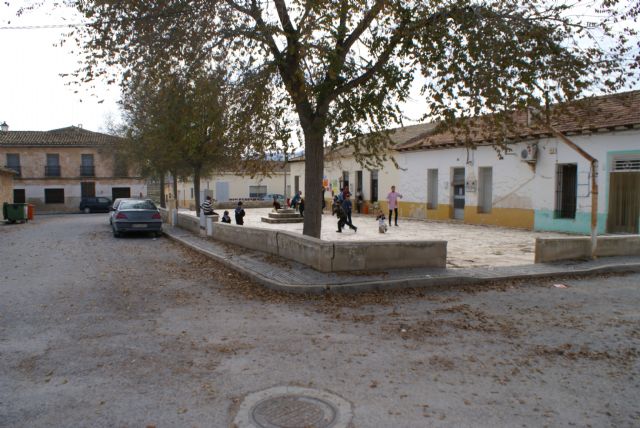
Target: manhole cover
[
  {"x": 293, "y": 407},
  {"x": 291, "y": 411}
]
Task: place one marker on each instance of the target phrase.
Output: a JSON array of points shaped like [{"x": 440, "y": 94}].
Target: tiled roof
[
  {"x": 583, "y": 116},
  {"x": 71, "y": 136}
]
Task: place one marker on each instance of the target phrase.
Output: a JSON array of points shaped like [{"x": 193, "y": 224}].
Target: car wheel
[{"x": 87, "y": 210}]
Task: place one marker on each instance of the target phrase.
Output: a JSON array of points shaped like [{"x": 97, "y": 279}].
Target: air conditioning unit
[{"x": 530, "y": 153}]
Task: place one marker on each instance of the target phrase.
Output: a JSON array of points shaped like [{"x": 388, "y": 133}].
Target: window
[
  {"x": 345, "y": 180},
  {"x": 432, "y": 189},
  {"x": 374, "y": 185},
  {"x": 566, "y": 190},
  {"x": 86, "y": 166},
  {"x": 19, "y": 196},
  {"x": 13, "y": 162},
  {"x": 257, "y": 191},
  {"x": 52, "y": 169},
  {"x": 192, "y": 193},
  {"x": 54, "y": 196},
  {"x": 485, "y": 183},
  {"x": 136, "y": 205}
]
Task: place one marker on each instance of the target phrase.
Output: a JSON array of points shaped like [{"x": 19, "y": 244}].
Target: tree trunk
[
  {"x": 313, "y": 171},
  {"x": 163, "y": 201},
  {"x": 175, "y": 187},
  {"x": 196, "y": 188}
]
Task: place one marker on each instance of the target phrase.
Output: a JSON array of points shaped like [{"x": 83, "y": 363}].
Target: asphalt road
[{"x": 97, "y": 331}]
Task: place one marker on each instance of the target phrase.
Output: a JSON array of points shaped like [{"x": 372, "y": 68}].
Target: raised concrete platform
[
  {"x": 284, "y": 215},
  {"x": 280, "y": 274}
]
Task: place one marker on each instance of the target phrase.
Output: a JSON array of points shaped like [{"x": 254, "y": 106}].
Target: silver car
[{"x": 136, "y": 215}]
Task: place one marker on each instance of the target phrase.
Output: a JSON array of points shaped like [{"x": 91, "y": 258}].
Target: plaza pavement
[{"x": 480, "y": 254}]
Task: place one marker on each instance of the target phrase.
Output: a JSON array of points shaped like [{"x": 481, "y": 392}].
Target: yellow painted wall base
[{"x": 505, "y": 217}]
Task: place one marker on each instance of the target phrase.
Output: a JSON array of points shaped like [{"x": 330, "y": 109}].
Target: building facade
[
  {"x": 6, "y": 185},
  {"x": 225, "y": 186},
  {"x": 55, "y": 169},
  {"x": 541, "y": 182},
  {"x": 341, "y": 167}
]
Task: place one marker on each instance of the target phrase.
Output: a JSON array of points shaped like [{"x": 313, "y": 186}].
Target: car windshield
[{"x": 136, "y": 205}]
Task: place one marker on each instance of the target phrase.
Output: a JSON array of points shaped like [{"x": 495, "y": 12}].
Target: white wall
[{"x": 515, "y": 183}]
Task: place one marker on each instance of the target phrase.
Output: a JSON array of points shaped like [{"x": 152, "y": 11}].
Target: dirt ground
[
  {"x": 98, "y": 331},
  {"x": 467, "y": 245}
]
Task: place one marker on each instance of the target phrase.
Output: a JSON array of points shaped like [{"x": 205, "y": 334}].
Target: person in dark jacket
[
  {"x": 339, "y": 212},
  {"x": 239, "y": 214},
  {"x": 347, "y": 207},
  {"x": 226, "y": 218},
  {"x": 301, "y": 207}
]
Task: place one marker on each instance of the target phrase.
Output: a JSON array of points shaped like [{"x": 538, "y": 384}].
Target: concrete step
[
  {"x": 287, "y": 210},
  {"x": 282, "y": 220},
  {"x": 284, "y": 215}
]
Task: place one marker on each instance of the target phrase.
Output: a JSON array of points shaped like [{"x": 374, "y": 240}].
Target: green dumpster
[{"x": 14, "y": 212}]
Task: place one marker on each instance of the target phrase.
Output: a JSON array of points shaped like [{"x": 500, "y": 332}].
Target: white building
[{"x": 541, "y": 183}]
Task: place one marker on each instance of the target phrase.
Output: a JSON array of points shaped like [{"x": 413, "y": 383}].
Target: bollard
[{"x": 209, "y": 225}]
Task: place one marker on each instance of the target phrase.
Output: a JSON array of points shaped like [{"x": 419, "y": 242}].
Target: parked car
[
  {"x": 136, "y": 215},
  {"x": 95, "y": 204},
  {"x": 114, "y": 207}
]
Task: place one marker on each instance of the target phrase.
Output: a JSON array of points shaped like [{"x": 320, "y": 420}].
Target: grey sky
[{"x": 33, "y": 96}]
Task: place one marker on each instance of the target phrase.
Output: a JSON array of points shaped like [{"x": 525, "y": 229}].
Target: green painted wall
[{"x": 544, "y": 220}]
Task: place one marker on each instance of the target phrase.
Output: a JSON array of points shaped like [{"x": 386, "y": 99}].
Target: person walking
[
  {"x": 296, "y": 199},
  {"x": 347, "y": 207},
  {"x": 339, "y": 212},
  {"x": 239, "y": 214},
  {"x": 392, "y": 198}
]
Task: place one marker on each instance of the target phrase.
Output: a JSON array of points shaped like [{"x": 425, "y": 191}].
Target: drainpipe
[{"x": 594, "y": 182}]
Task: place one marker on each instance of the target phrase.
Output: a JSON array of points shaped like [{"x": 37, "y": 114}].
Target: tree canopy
[{"x": 341, "y": 67}]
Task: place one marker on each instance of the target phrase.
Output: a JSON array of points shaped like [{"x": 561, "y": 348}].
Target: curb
[{"x": 400, "y": 284}]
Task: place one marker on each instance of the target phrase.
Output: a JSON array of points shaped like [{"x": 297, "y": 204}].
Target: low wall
[
  {"x": 358, "y": 255},
  {"x": 577, "y": 248},
  {"x": 164, "y": 213},
  {"x": 189, "y": 222},
  {"x": 248, "y": 237},
  {"x": 327, "y": 256},
  {"x": 310, "y": 251}
]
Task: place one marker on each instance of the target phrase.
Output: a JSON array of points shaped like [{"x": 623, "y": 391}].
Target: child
[
  {"x": 226, "y": 218},
  {"x": 382, "y": 224},
  {"x": 239, "y": 214}
]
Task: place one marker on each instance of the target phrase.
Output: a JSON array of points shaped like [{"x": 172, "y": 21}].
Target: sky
[{"x": 33, "y": 95}]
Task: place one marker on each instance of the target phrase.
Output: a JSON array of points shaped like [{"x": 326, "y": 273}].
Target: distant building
[
  {"x": 55, "y": 169},
  {"x": 229, "y": 186}
]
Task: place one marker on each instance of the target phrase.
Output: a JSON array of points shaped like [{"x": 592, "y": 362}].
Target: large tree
[{"x": 342, "y": 66}]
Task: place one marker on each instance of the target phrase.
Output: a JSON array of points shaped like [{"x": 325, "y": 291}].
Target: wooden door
[{"x": 624, "y": 202}]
